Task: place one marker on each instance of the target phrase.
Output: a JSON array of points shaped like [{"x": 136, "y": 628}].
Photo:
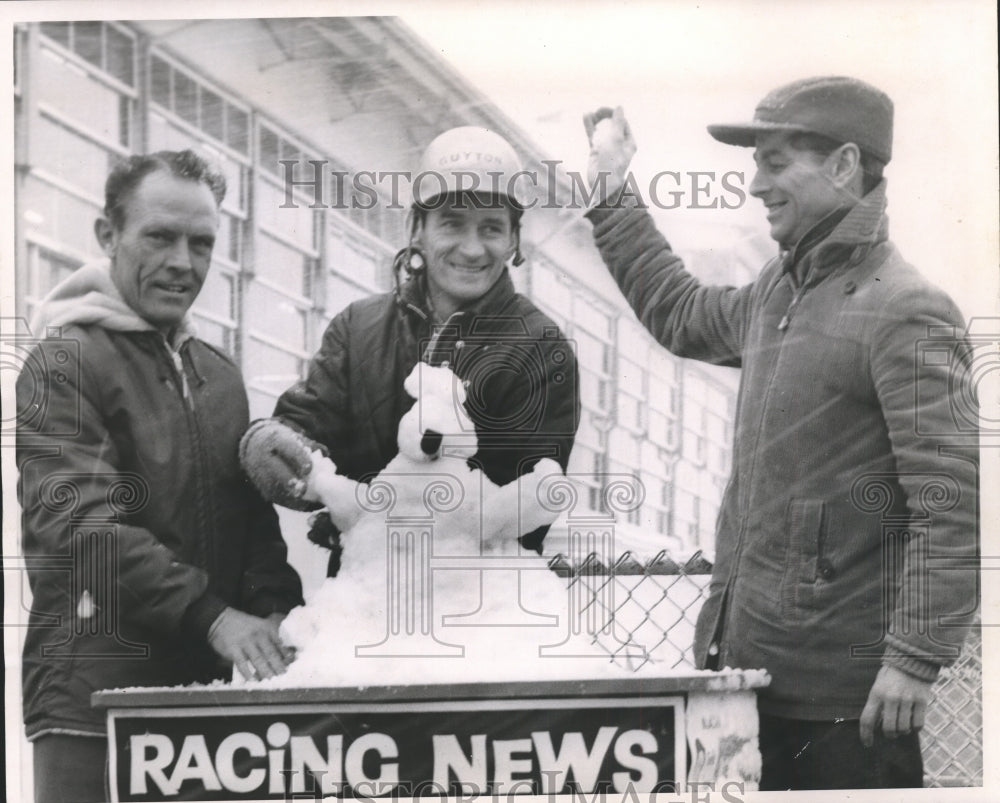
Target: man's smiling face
[
  {"x": 162, "y": 252},
  {"x": 795, "y": 185},
  {"x": 466, "y": 245}
]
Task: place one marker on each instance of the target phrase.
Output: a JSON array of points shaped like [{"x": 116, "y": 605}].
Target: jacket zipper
[
  {"x": 800, "y": 291},
  {"x": 718, "y": 638},
  {"x": 436, "y": 332},
  {"x": 787, "y": 317},
  {"x": 176, "y": 361},
  {"x": 783, "y": 325}
]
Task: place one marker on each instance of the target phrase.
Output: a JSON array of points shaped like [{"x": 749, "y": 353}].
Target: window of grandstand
[
  {"x": 664, "y": 394},
  {"x": 83, "y": 104},
  {"x": 356, "y": 258},
  {"x": 189, "y": 99},
  {"x": 99, "y": 44},
  {"x": 46, "y": 269},
  {"x": 186, "y": 112},
  {"x": 549, "y": 290}
]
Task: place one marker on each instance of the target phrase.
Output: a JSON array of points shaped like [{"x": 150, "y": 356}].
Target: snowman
[{"x": 434, "y": 586}]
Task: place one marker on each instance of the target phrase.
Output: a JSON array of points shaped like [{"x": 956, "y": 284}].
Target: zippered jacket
[
  {"x": 138, "y": 527},
  {"x": 520, "y": 373},
  {"x": 847, "y": 535}
]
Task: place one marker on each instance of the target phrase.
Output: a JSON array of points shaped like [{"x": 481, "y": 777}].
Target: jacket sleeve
[
  {"x": 70, "y": 478},
  {"x": 534, "y": 412},
  {"x": 702, "y": 323},
  {"x": 269, "y": 584},
  {"x": 924, "y": 385},
  {"x": 561, "y": 416},
  {"x": 316, "y": 407}
]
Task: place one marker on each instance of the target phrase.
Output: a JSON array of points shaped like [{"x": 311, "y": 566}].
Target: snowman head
[{"x": 437, "y": 425}]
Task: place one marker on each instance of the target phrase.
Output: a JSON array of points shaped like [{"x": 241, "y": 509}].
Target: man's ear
[
  {"x": 845, "y": 165},
  {"x": 104, "y": 231}
]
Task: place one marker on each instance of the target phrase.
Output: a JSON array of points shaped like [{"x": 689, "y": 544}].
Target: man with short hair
[
  {"x": 152, "y": 560},
  {"x": 847, "y": 538}
]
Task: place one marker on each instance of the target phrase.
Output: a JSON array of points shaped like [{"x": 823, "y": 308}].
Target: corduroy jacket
[{"x": 847, "y": 535}]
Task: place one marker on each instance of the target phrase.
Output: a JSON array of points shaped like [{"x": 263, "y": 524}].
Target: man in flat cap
[{"x": 847, "y": 539}]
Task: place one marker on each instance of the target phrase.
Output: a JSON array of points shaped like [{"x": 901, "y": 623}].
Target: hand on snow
[
  {"x": 897, "y": 700},
  {"x": 251, "y": 643},
  {"x": 277, "y": 460},
  {"x": 611, "y": 150}
]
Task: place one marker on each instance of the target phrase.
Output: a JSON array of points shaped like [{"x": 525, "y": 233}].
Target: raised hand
[{"x": 612, "y": 147}]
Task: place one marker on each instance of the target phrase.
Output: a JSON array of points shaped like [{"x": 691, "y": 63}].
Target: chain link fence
[
  {"x": 645, "y": 612},
  {"x": 952, "y": 739}
]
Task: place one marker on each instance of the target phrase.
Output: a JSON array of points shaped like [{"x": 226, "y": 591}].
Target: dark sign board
[{"x": 404, "y": 749}]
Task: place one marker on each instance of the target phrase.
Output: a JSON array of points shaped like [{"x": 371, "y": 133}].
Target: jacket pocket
[{"x": 804, "y": 531}]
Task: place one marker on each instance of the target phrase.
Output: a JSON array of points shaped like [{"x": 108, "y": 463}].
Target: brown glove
[{"x": 277, "y": 460}]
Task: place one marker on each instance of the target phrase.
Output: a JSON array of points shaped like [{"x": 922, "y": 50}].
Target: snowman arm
[
  {"x": 337, "y": 492},
  {"x": 517, "y": 508}
]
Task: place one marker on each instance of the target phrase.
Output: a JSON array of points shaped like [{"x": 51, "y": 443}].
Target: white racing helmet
[{"x": 469, "y": 159}]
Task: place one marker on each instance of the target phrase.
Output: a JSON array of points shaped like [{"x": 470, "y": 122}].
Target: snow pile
[
  {"x": 433, "y": 586},
  {"x": 429, "y": 600},
  {"x": 475, "y": 625}
]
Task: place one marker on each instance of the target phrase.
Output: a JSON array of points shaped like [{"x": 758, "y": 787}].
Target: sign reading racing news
[{"x": 419, "y": 749}]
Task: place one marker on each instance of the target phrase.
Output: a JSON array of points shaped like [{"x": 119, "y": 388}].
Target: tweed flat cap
[{"x": 841, "y": 108}]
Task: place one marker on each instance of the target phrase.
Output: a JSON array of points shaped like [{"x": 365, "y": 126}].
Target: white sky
[{"x": 678, "y": 66}]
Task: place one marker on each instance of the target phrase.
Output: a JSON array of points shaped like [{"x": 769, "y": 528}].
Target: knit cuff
[
  {"x": 914, "y": 667},
  {"x": 618, "y": 200}
]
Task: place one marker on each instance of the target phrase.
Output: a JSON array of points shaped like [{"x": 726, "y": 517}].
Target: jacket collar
[
  {"x": 412, "y": 295},
  {"x": 440, "y": 348},
  {"x": 863, "y": 227},
  {"x": 89, "y": 296}
]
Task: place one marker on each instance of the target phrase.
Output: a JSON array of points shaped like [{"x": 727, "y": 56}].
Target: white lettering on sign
[
  {"x": 195, "y": 764},
  {"x": 278, "y": 734},
  {"x": 244, "y": 763},
  {"x": 151, "y": 766},
  {"x": 306, "y": 757},
  {"x": 153, "y": 754},
  {"x": 470, "y": 768},
  {"x": 625, "y": 755},
  {"x": 505, "y": 765},
  {"x": 449, "y": 756},
  {"x": 225, "y": 762},
  {"x": 382, "y": 744},
  {"x": 573, "y": 756}
]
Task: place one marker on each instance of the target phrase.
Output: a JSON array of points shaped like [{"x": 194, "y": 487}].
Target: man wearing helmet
[{"x": 454, "y": 302}]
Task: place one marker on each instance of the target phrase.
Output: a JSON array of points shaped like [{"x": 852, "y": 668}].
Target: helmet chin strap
[
  {"x": 409, "y": 259},
  {"x": 518, "y": 259}
]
